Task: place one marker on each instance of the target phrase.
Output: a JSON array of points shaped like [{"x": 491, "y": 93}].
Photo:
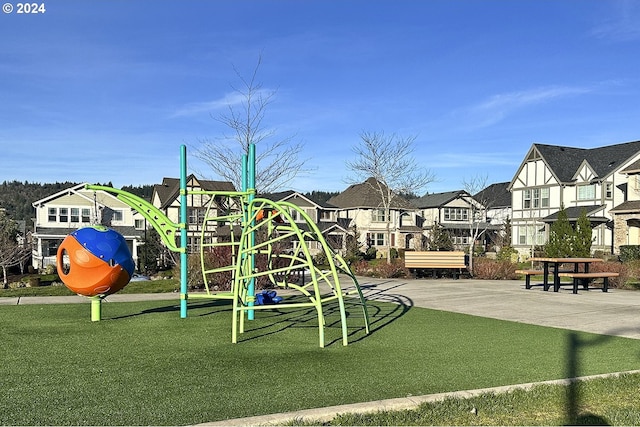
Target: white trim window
[
  {"x": 376, "y": 239},
  {"x": 608, "y": 190},
  {"x": 586, "y": 192},
  {"x": 531, "y": 234},
  {"x": 456, "y": 214},
  {"x": 535, "y": 198},
  {"x": 379, "y": 215}
]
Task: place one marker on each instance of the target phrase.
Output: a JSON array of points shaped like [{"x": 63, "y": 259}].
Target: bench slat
[
  {"x": 435, "y": 259},
  {"x": 530, "y": 272},
  {"x": 593, "y": 275}
]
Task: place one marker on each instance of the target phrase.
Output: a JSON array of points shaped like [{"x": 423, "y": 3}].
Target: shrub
[
  {"x": 493, "y": 269},
  {"x": 624, "y": 271},
  {"x": 381, "y": 269},
  {"x": 629, "y": 253}
]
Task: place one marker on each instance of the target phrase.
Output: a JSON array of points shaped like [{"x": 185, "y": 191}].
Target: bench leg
[
  {"x": 605, "y": 284},
  {"x": 575, "y": 285},
  {"x": 527, "y": 281}
]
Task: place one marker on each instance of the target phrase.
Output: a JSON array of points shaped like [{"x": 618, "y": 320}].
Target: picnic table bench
[
  {"x": 586, "y": 278},
  {"x": 416, "y": 261},
  {"x": 527, "y": 277},
  {"x": 552, "y": 265}
]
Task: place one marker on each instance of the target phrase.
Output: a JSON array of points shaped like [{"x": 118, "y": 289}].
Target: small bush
[
  {"x": 381, "y": 269},
  {"x": 629, "y": 253},
  {"x": 493, "y": 269},
  {"x": 625, "y": 272}
]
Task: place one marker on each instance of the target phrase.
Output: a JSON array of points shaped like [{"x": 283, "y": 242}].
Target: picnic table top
[{"x": 565, "y": 259}]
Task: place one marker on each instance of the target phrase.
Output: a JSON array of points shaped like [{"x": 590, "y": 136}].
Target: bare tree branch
[
  {"x": 389, "y": 160},
  {"x": 278, "y": 161}
]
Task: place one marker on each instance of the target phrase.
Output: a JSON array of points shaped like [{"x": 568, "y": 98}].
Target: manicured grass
[
  {"x": 606, "y": 401},
  {"x": 143, "y": 365}
]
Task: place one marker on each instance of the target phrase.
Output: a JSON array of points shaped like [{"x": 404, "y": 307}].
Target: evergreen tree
[
  {"x": 583, "y": 237},
  {"x": 561, "y": 237},
  {"x": 440, "y": 239}
]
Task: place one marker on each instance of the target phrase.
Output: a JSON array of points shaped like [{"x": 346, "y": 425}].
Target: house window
[
  {"x": 193, "y": 216},
  {"x": 456, "y": 214},
  {"x": 608, "y": 190},
  {"x": 587, "y": 192},
  {"x": 544, "y": 197},
  {"x": 75, "y": 214},
  {"x": 535, "y": 198},
  {"x": 526, "y": 199},
  {"x": 86, "y": 215},
  {"x": 522, "y": 235},
  {"x": 139, "y": 224},
  {"x": 531, "y": 235},
  {"x": 325, "y": 215},
  {"x": 117, "y": 215},
  {"x": 64, "y": 214},
  {"x": 375, "y": 239},
  {"x": 52, "y": 215},
  {"x": 378, "y": 215}
]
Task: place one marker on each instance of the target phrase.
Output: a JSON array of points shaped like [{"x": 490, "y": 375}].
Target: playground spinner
[{"x": 277, "y": 228}]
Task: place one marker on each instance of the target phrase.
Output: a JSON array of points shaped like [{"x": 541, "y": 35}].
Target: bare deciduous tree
[
  {"x": 389, "y": 160},
  {"x": 278, "y": 161},
  {"x": 480, "y": 203},
  {"x": 12, "y": 252}
]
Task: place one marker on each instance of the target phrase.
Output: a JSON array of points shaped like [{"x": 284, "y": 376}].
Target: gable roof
[
  {"x": 289, "y": 194},
  {"x": 437, "y": 200},
  {"x": 169, "y": 190},
  {"x": 564, "y": 161},
  {"x": 365, "y": 195},
  {"x": 495, "y": 196}
]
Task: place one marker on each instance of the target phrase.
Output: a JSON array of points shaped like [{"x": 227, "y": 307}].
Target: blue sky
[{"x": 102, "y": 91}]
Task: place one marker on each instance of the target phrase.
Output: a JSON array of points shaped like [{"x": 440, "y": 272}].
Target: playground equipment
[
  {"x": 95, "y": 262},
  {"x": 264, "y": 242}
]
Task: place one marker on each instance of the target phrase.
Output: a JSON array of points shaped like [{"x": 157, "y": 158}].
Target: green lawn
[{"x": 143, "y": 365}]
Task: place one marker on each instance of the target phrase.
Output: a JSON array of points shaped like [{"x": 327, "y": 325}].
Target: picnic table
[{"x": 551, "y": 266}]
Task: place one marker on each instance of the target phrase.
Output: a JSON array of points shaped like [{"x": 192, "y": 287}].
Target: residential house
[
  {"x": 363, "y": 208},
  {"x": 324, "y": 215},
  {"x": 496, "y": 198},
  {"x": 166, "y": 197},
  {"x": 457, "y": 212},
  {"x": 626, "y": 215},
  {"x": 594, "y": 181},
  {"x": 70, "y": 209}
]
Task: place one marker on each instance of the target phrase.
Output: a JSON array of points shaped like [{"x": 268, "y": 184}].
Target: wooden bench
[
  {"x": 527, "y": 277},
  {"x": 436, "y": 260},
  {"x": 586, "y": 278}
]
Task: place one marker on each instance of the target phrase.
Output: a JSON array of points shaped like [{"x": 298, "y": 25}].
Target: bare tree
[
  {"x": 388, "y": 159},
  {"x": 12, "y": 252},
  {"x": 278, "y": 161},
  {"x": 480, "y": 202}
]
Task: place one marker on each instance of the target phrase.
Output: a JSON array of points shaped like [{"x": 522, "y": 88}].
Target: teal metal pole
[
  {"x": 251, "y": 183},
  {"x": 183, "y": 232}
]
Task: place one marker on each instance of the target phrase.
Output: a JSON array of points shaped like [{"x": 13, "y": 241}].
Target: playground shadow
[
  {"x": 173, "y": 307},
  {"x": 280, "y": 318},
  {"x": 575, "y": 343}
]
